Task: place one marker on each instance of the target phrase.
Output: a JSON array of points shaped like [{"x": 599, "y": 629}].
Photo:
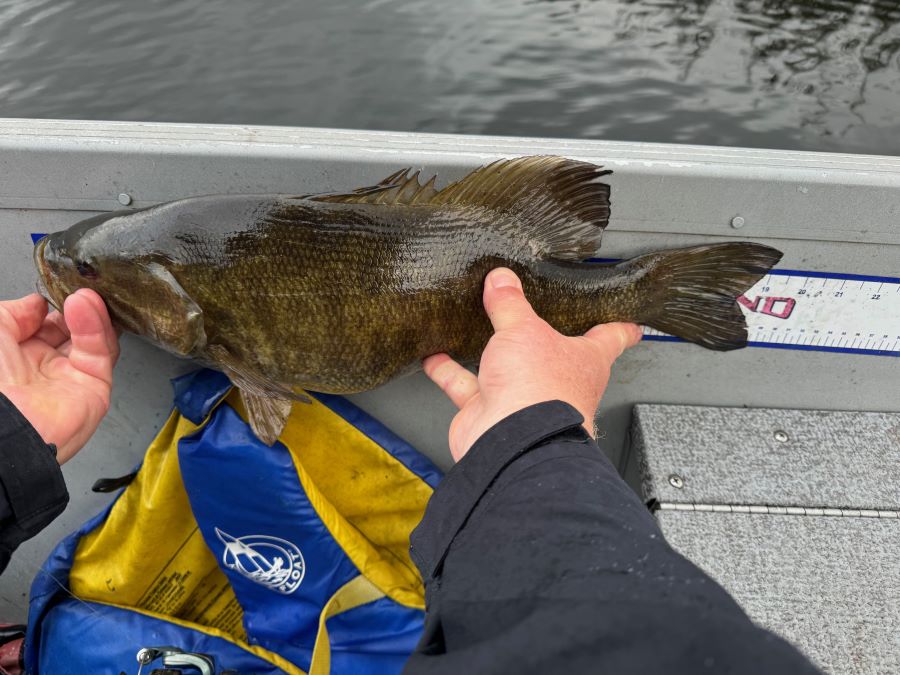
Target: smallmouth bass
[{"x": 341, "y": 292}]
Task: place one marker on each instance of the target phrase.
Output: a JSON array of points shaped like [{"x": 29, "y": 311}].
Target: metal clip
[{"x": 176, "y": 658}]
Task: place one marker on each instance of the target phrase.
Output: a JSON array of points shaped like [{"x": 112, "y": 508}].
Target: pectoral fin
[{"x": 267, "y": 415}]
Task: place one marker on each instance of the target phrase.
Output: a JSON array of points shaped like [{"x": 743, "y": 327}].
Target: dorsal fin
[
  {"x": 398, "y": 188},
  {"x": 556, "y": 202}
]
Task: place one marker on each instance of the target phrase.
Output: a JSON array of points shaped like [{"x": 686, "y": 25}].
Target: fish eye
[{"x": 86, "y": 270}]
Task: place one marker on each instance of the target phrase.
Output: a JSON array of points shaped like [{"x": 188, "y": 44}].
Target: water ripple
[{"x": 814, "y": 74}]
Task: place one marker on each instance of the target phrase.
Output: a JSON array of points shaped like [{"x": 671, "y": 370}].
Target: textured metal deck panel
[
  {"x": 795, "y": 512},
  {"x": 764, "y": 456},
  {"x": 831, "y": 585}
]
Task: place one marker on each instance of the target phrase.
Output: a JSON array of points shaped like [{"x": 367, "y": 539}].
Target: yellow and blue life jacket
[{"x": 291, "y": 558}]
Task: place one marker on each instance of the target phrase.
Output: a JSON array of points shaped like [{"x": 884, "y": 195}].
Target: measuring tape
[{"x": 818, "y": 311}]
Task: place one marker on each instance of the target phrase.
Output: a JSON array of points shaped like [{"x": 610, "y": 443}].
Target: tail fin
[{"x": 697, "y": 289}]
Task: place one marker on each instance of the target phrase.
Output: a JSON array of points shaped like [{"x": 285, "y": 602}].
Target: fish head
[
  {"x": 109, "y": 254},
  {"x": 67, "y": 261}
]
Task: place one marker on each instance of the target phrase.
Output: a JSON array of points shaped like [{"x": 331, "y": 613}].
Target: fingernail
[
  {"x": 638, "y": 333},
  {"x": 503, "y": 277}
]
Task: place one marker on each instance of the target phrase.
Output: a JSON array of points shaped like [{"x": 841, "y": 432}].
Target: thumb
[
  {"x": 88, "y": 325},
  {"x": 615, "y": 337},
  {"x": 504, "y": 300}
]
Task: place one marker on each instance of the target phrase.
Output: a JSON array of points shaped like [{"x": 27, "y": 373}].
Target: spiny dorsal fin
[
  {"x": 398, "y": 188},
  {"x": 555, "y": 202}
]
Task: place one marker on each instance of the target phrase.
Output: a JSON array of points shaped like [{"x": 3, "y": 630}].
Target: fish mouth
[{"x": 46, "y": 284}]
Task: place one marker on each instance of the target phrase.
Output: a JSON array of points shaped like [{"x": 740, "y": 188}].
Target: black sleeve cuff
[
  {"x": 32, "y": 489},
  {"x": 463, "y": 486}
]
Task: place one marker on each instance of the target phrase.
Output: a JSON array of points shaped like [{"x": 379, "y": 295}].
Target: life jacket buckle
[{"x": 174, "y": 661}]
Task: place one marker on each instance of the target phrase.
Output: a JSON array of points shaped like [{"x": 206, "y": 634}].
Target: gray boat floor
[{"x": 795, "y": 512}]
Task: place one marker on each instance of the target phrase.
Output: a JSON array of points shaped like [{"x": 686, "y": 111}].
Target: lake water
[{"x": 762, "y": 73}]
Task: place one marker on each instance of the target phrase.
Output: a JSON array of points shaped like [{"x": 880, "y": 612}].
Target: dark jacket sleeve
[
  {"x": 538, "y": 558},
  {"x": 32, "y": 489}
]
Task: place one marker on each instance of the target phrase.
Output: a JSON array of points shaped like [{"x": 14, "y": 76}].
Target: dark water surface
[{"x": 794, "y": 74}]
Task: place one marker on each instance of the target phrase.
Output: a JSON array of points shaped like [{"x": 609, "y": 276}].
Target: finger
[
  {"x": 112, "y": 335},
  {"x": 53, "y": 330},
  {"x": 615, "y": 338},
  {"x": 504, "y": 300},
  {"x": 65, "y": 349},
  {"x": 90, "y": 351},
  {"x": 23, "y": 317},
  {"x": 459, "y": 384}
]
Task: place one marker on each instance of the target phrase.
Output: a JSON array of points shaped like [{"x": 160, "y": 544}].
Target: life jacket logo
[{"x": 272, "y": 562}]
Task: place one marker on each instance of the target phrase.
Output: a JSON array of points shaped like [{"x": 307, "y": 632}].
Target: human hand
[
  {"x": 57, "y": 368},
  {"x": 526, "y": 362}
]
